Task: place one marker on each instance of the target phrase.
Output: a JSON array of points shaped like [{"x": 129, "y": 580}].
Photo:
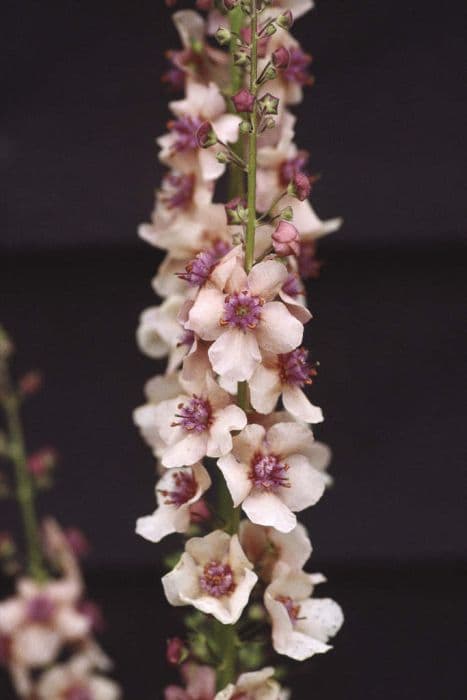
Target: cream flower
[
  {"x": 213, "y": 575},
  {"x": 258, "y": 685},
  {"x": 76, "y": 680},
  {"x": 268, "y": 549},
  {"x": 301, "y": 625},
  {"x": 245, "y": 319},
  {"x": 160, "y": 333},
  {"x": 40, "y": 618},
  {"x": 179, "y": 148},
  {"x": 192, "y": 427},
  {"x": 268, "y": 474},
  {"x": 176, "y": 492},
  {"x": 159, "y": 388},
  {"x": 284, "y": 375}
]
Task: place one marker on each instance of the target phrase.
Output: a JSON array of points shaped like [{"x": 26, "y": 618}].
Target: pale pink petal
[
  {"x": 295, "y": 307},
  {"x": 322, "y": 618},
  {"x": 36, "y": 645},
  {"x": 265, "y": 508},
  {"x": 236, "y": 477},
  {"x": 205, "y": 314},
  {"x": 226, "y": 127},
  {"x": 210, "y": 167},
  {"x": 288, "y": 437},
  {"x": 266, "y": 279},
  {"x": 296, "y": 403},
  {"x": 265, "y": 388},
  {"x": 246, "y": 443},
  {"x": 278, "y": 331},
  {"x": 220, "y": 439},
  {"x": 185, "y": 452},
  {"x": 306, "y": 484},
  {"x": 182, "y": 582},
  {"x": 190, "y": 27},
  {"x": 72, "y": 624},
  {"x": 235, "y": 354},
  {"x": 164, "y": 521}
]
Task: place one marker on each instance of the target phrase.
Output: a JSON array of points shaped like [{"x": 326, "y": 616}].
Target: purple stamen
[
  {"x": 292, "y": 608},
  {"x": 267, "y": 472},
  {"x": 217, "y": 579},
  {"x": 242, "y": 310},
  {"x": 184, "y": 488},
  {"x": 295, "y": 369},
  {"x": 297, "y": 70},
  {"x": 198, "y": 270},
  {"x": 177, "y": 190},
  {"x": 40, "y": 609},
  {"x": 196, "y": 415},
  {"x": 184, "y": 128}
]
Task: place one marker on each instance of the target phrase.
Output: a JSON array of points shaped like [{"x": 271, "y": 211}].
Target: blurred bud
[
  {"x": 241, "y": 58},
  {"x": 223, "y": 36},
  {"x": 252, "y": 655},
  {"x": 41, "y": 462},
  {"x": 256, "y": 612},
  {"x": 222, "y": 157},
  {"x": 78, "y": 542},
  {"x": 300, "y": 186},
  {"x": 270, "y": 30},
  {"x": 176, "y": 652},
  {"x": 230, "y": 4},
  {"x": 287, "y": 214},
  {"x": 7, "y": 545},
  {"x": 243, "y": 101},
  {"x": 200, "y": 648},
  {"x": 30, "y": 383},
  {"x": 286, "y": 239},
  {"x": 205, "y": 135},
  {"x": 6, "y": 345},
  {"x": 269, "y": 73},
  {"x": 268, "y": 104},
  {"x": 236, "y": 211},
  {"x": 285, "y": 20},
  {"x": 204, "y": 5},
  {"x": 93, "y": 612},
  {"x": 199, "y": 511},
  {"x": 281, "y": 58}
]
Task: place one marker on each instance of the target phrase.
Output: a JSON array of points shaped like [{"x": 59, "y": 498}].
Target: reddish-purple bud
[
  {"x": 286, "y": 239},
  {"x": 204, "y": 5},
  {"x": 30, "y": 383},
  {"x": 285, "y": 20},
  {"x": 243, "y": 101},
  {"x": 77, "y": 541},
  {"x": 176, "y": 652},
  {"x": 236, "y": 211},
  {"x": 230, "y": 4},
  {"x": 205, "y": 135},
  {"x": 281, "y": 58},
  {"x": 300, "y": 186},
  {"x": 41, "y": 462},
  {"x": 199, "y": 511}
]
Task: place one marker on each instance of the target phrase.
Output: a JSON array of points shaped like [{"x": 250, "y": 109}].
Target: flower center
[
  {"x": 295, "y": 369},
  {"x": 292, "y": 608},
  {"x": 195, "y": 416},
  {"x": 198, "y": 270},
  {"x": 78, "y": 692},
  {"x": 184, "y": 130},
  {"x": 40, "y": 609},
  {"x": 177, "y": 190},
  {"x": 217, "y": 579},
  {"x": 297, "y": 70},
  {"x": 184, "y": 488},
  {"x": 268, "y": 472},
  {"x": 242, "y": 310}
]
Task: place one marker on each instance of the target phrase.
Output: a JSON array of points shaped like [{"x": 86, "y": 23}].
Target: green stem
[
  {"x": 24, "y": 486},
  {"x": 252, "y": 145}
]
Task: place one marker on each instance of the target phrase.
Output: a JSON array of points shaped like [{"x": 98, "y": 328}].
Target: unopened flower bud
[
  {"x": 245, "y": 127},
  {"x": 281, "y": 58},
  {"x": 268, "y": 104},
  {"x": 230, "y": 4},
  {"x": 256, "y": 612},
  {"x": 269, "y": 30},
  {"x": 205, "y": 135},
  {"x": 223, "y": 36},
  {"x": 287, "y": 214},
  {"x": 41, "y": 462},
  {"x": 241, "y": 58},
  {"x": 286, "y": 239},
  {"x": 300, "y": 186},
  {"x": 236, "y": 211},
  {"x": 199, "y": 512},
  {"x": 269, "y": 73},
  {"x": 30, "y": 383},
  {"x": 77, "y": 541},
  {"x": 204, "y": 5},
  {"x": 243, "y": 101},
  {"x": 176, "y": 651},
  {"x": 222, "y": 157},
  {"x": 285, "y": 20},
  {"x": 269, "y": 123}
]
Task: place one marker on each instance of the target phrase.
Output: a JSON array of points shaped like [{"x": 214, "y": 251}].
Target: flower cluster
[
  {"x": 47, "y": 626},
  {"x": 229, "y": 422}
]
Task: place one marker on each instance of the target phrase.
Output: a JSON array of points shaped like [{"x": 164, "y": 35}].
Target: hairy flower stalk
[
  {"x": 229, "y": 421},
  {"x": 47, "y": 620}
]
